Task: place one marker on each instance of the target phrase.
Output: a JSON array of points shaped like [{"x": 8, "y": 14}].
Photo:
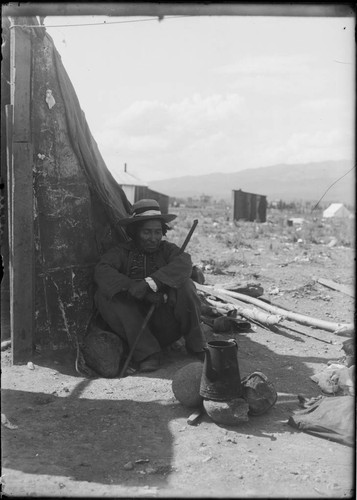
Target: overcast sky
[{"x": 196, "y": 95}]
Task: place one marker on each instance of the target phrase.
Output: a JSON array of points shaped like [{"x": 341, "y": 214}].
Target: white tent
[{"x": 337, "y": 210}]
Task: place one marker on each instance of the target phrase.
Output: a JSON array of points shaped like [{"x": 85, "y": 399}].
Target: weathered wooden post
[{"x": 20, "y": 198}]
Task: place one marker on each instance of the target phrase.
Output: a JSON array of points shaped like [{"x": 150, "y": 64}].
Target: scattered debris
[
  {"x": 334, "y": 378},
  {"x": 129, "y": 466},
  {"x": 5, "y": 344},
  {"x": 225, "y": 324},
  {"x": 251, "y": 289},
  {"x": 332, "y": 243},
  {"x": 6, "y": 422},
  {"x": 159, "y": 469},
  {"x": 193, "y": 419},
  {"x": 336, "y": 286},
  {"x": 295, "y": 221}
]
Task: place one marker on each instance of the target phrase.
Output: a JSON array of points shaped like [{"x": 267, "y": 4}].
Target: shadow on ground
[
  {"x": 88, "y": 439},
  {"x": 92, "y": 439}
]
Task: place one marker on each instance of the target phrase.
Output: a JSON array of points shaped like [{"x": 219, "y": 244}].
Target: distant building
[
  {"x": 135, "y": 189},
  {"x": 249, "y": 206},
  {"x": 337, "y": 210},
  {"x": 162, "y": 199},
  {"x": 205, "y": 200}
]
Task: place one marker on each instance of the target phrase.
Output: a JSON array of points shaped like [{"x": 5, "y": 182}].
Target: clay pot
[{"x": 186, "y": 385}]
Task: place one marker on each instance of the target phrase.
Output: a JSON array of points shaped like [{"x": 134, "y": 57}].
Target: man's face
[{"x": 149, "y": 236}]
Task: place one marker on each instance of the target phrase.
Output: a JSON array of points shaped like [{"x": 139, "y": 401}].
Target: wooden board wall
[{"x": 20, "y": 202}]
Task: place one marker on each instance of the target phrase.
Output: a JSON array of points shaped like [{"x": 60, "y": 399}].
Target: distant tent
[{"x": 337, "y": 210}]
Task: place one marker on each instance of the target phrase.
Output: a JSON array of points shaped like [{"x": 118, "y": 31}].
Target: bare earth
[{"x": 77, "y": 436}]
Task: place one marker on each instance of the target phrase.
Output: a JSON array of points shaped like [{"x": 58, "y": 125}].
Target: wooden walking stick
[{"x": 152, "y": 308}]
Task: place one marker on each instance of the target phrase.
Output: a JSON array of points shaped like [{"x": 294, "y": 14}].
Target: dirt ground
[{"x": 129, "y": 437}]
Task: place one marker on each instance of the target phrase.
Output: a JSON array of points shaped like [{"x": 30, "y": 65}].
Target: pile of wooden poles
[{"x": 265, "y": 314}]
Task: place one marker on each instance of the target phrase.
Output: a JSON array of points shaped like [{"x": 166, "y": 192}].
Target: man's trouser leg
[
  {"x": 164, "y": 325},
  {"x": 125, "y": 317},
  {"x": 187, "y": 312}
]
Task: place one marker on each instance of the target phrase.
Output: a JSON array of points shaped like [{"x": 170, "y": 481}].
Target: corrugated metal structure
[{"x": 249, "y": 206}]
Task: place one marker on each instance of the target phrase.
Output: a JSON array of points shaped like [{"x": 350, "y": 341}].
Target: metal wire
[{"x": 104, "y": 23}]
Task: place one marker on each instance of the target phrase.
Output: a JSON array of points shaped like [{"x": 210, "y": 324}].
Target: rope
[{"x": 331, "y": 186}]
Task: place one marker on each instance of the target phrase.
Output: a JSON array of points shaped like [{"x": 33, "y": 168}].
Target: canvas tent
[
  {"x": 337, "y": 210},
  {"x": 62, "y": 202}
]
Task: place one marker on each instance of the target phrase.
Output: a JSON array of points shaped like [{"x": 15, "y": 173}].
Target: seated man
[{"x": 144, "y": 271}]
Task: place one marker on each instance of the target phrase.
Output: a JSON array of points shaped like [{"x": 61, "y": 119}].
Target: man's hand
[
  {"x": 156, "y": 298},
  {"x": 138, "y": 289}
]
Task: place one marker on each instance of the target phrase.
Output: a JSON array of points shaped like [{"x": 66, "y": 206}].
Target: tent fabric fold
[{"x": 99, "y": 177}]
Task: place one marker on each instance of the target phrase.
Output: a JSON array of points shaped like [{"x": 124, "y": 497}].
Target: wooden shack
[
  {"x": 134, "y": 188},
  {"x": 249, "y": 206},
  {"x": 162, "y": 199},
  {"x": 61, "y": 201}
]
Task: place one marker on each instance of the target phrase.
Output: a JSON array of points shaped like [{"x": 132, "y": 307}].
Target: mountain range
[{"x": 298, "y": 182}]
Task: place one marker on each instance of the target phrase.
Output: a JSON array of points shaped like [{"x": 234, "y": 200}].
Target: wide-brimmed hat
[{"x": 146, "y": 209}]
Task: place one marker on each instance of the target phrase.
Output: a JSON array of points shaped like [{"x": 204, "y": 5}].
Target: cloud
[
  {"x": 168, "y": 125},
  {"x": 141, "y": 118},
  {"x": 223, "y": 132},
  {"x": 308, "y": 147},
  {"x": 267, "y": 66}
]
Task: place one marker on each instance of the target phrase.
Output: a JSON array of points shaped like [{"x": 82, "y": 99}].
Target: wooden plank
[
  {"x": 336, "y": 286},
  {"x": 9, "y": 159},
  {"x": 8, "y": 269},
  {"x": 21, "y": 255},
  {"x": 20, "y": 75}
]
